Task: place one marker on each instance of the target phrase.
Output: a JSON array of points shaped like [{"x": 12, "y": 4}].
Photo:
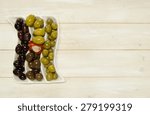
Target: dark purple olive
[
  {"x": 27, "y": 36},
  {"x": 22, "y": 69},
  {"x": 21, "y": 57},
  {"x": 18, "y": 49},
  {"x": 18, "y": 27},
  {"x": 17, "y": 72},
  {"x": 24, "y": 42},
  {"x": 20, "y": 21},
  {"x": 17, "y": 64},
  {"x": 22, "y": 76},
  {"x": 20, "y": 35},
  {"x": 25, "y": 48},
  {"x": 25, "y": 28}
]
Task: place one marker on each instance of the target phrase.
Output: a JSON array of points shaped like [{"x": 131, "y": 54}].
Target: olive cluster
[
  {"x": 48, "y": 52},
  {"x": 22, "y": 48}
]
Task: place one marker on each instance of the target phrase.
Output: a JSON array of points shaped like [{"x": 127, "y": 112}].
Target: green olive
[
  {"x": 38, "y": 40},
  {"x": 49, "y": 76},
  {"x": 51, "y": 56},
  {"x": 47, "y": 44},
  {"x": 53, "y": 43},
  {"x": 49, "y": 21},
  {"x": 30, "y": 20},
  {"x": 44, "y": 61},
  {"x": 38, "y": 76},
  {"x": 51, "y": 68},
  {"x": 39, "y": 32},
  {"x": 50, "y": 50},
  {"x": 53, "y": 35},
  {"x": 54, "y": 26},
  {"x": 55, "y": 76},
  {"x": 45, "y": 52},
  {"x": 48, "y": 29},
  {"x": 39, "y": 23}
]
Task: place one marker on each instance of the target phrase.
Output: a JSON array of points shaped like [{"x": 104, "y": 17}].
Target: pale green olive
[{"x": 30, "y": 20}]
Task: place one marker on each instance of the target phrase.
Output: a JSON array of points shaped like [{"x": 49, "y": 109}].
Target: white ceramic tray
[{"x": 60, "y": 79}]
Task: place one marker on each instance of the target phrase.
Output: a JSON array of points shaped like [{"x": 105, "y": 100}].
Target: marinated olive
[
  {"x": 30, "y": 57},
  {"x": 53, "y": 35},
  {"x": 27, "y": 36},
  {"x": 48, "y": 29},
  {"x": 55, "y": 76},
  {"x": 39, "y": 23},
  {"x": 45, "y": 52},
  {"x": 18, "y": 49},
  {"x": 54, "y": 26},
  {"x": 20, "y": 35},
  {"x": 38, "y": 40},
  {"x": 49, "y": 21},
  {"x": 38, "y": 76},
  {"x": 47, "y": 44},
  {"x": 20, "y": 21},
  {"x": 25, "y": 28},
  {"x": 51, "y": 68},
  {"x": 17, "y": 64},
  {"x": 37, "y": 64},
  {"x": 17, "y": 72},
  {"x": 21, "y": 57},
  {"x": 35, "y": 71},
  {"x": 49, "y": 76},
  {"x": 50, "y": 50},
  {"x": 21, "y": 69},
  {"x": 30, "y": 20},
  {"x": 51, "y": 56},
  {"x": 22, "y": 76},
  {"x": 18, "y": 26},
  {"x": 30, "y": 75},
  {"x": 52, "y": 43},
  {"x": 39, "y": 32},
  {"x": 31, "y": 65},
  {"x": 25, "y": 48},
  {"x": 44, "y": 61}
]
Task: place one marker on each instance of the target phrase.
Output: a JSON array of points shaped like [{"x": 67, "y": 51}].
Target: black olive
[
  {"x": 25, "y": 28},
  {"x": 20, "y": 21},
  {"x": 17, "y": 64},
  {"x": 18, "y": 49},
  {"x": 17, "y": 72},
  {"x": 22, "y": 76},
  {"x": 20, "y": 35},
  {"x": 27, "y": 36},
  {"x": 21, "y": 69},
  {"x": 18, "y": 26}
]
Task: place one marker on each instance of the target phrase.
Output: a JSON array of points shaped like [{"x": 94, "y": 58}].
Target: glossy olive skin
[
  {"x": 39, "y": 32},
  {"x": 25, "y": 28},
  {"x": 51, "y": 68},
  {"x": 38, "y": 40},
  {"x": 53, "y": 35},
  {"x": 17, "y": 64},
  {"x": 38, "y": 76},
  {"x": 39, "y": 23},
  {"x": 30, "y": 75},
  {"x": 18, "y": 49},
  {"x": 47, "y": 44},
  {"x": 31, "y": 65},
  {"x": 21, "y": 35},
  {"x": 54, "y": 26},
  {"x": 27, "y": 37},
  {"x": 48, "y": 29},
  {"x": 49, "y": 21},
  {"x": 30, "y": 20},
  {"x": 22, "y": 76},
  {"x": 30, "y": 57},
  {"x": 35, "y": 71},
  {"x": 49, "y": 76},
  {"x": 37, "y": 64},
  {"x": 44, "y": 61},
  {"x": 51, "y": 56},
  {"x": 17, "y": 72},
  {"x": 45, "y": 52}
]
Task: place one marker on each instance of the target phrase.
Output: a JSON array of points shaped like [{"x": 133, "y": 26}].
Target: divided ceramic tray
[{"x": 60, "y": 79}]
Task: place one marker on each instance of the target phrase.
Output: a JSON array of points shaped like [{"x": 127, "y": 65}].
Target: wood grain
[
  {"x": 85, "y": 11},
  {"x": 79, "y": 87}
]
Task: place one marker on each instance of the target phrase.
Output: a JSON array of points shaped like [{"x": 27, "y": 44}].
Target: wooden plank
[
  {"x": 90, "y": 36},
  {"x": 91, "y": 63},
  {"x": 87, "y": 11},
  {"x": 79, "y": 87}
]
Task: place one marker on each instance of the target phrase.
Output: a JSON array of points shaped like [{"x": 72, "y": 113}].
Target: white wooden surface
[{"x": 104, "y": 48}]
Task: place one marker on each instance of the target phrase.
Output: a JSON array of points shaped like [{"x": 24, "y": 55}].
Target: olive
[
  {"x": 44, "y": 61},
  {"x": 51, "y": 68},
  {"x": 36, "y": 56},
  {"x": 20, "y": 35},
  {"x": 31, "y": 65},
  {"x": 22, "y": 76},
  {"x": 38, "y": 40},
  {"x": 25, "y": 28},
  {"x": 30, "y": 75},
  {"x": 49, "y": 76},
  {"x": 45, "y": 52},
  {"x": 18, "y": 49},
  {"x": 53, "y": 35},
  {"x": 49, "y": 21},
  {"x": 20, "y": 21},
  {"x": 48, "y": 29},
  {"x": 47, "y": 44},
  {"x": 17, "y": 63},
  {"x": 25, "y": 48},
  {"x": 35, "y": 71},
  {"x": 30, "y": 20},
  {"x": 30, "y": 57},
  {"x": 54, "y": 26},
  {"x": 51, "y": 56},
  {"x": 22, "y": 69},
  {"x": 39, "y": 23},
  {"x": 52, "y": 43},
  {"x": 24, "y": 42},
  {"x": 39, "y": 32},
  {"x": 37, "y": 64},
  {"x": 17, "y": 72},
  {"x": 38, "y": 76},
  {"x": 21, "y": 58},
  {"x": 55, "y": 76},
  {"x": 27, "y": 36},
  {"x": 50, "y": 50}
]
